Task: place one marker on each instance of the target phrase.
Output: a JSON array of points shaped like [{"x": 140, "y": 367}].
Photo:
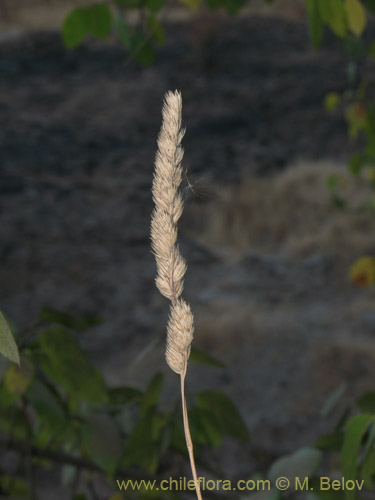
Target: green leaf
[
  {"x": 177, "y": 434},
  {"x": 124, "y": 395},
  {"x": 143, "y": 52},
  {"x": 356, "y": 15},
  {"x": 17, "y": 379},
  {"x": 140, "y": 446},
  {"x": 7, "y": 398},
  {"x": 333, "y": 13},
  {"x": 124, "y": 32},
  {"x": 74, "y": 28},
  {"x": 355, "y": 164},
  {"x": 14, "y": 487},
  {"x": 333, "y": 182},
  {"x": 355, "y": 430},
  {"x": 367, "y": 402},
  {"x": 212, "y": 431},
  {"x": 330, "y": 442},
  {"x": 135, "y": 42},
  {"x": 47, "y": 406},
  {"x": 370, "y": 4},
  {"x": 205, "y": 430},
  {"x": 231, "y": 6},
  {"x": 8, "y": 346},
  {"x": 226, "y": 414},
  {"x": 95, "y": 20},
  {"x": 156, "y": 29},
  {"x": 13, "y": 422},
  {"x": 102, "y": 441},
  {"x": 202, "y": 357},
  {"x": 302, "y": 463},
  {"x": 154, "y": 5},
  {"x": 64, "y": 361},
  {"x": 367, "y": 469},
  {"x": 370, "y": 440},
  {"x": 315, "y": 22},
  {"x": 99, "y": 20},
  {"x": 76, "y": 323},
  {"x": 152, "y": 393}
]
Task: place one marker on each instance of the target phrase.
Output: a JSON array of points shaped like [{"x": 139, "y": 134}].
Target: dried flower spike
[{"x": 171, "y": 266}]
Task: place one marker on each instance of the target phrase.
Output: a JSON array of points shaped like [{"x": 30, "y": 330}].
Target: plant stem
[{"x": 189, "y": 442}]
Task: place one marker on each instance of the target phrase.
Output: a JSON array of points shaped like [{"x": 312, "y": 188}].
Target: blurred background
[{"x": 278, "y": 231}]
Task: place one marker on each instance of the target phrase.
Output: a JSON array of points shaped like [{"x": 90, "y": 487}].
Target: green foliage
[
  {"x": 354, "y": 433},
  {"x": 330, "y": 442},
  {"x": 15, "y": 486},
  {"x": 17, "y": 379},
  {"x": 334, "y": 14},
  {"x": 367, "y": 402},
  {"x": 94, "y": 20},
  {"x": 334, "y": 183},
  {"x": 135, "y": 42},
  {"x": 347, "y": 19},
  {"x": 77, "y": 323},
  {"x": 199, "y": 356},
  {"x": 223, "y": 413},
  {"x": 75, "y": 414},
  {"x": 343, "y": 17},
  {"x": 102, "y": 441},
  {"x": 49, "y": 409},
  {"x": 63, "y": 360},
  {"x": 100, "y": 20},
  {"x": 231, "y": 6},
  {"x": 155, "y": 6},
  {"x": 8, "y": 346},
  {"x": 315, "y": 22}
]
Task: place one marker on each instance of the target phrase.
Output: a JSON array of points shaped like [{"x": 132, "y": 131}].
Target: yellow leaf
[
  {"x": 362, "y": 271},
  {"x": 17, "y": 378},
  {"x": 356, "y": 16},
  {"x": 331, "y": 101},
  {"x": 370, "y": 174}
]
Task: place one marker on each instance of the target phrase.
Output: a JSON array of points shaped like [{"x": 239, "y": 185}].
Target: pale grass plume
[{"x": 171, "y": 266}]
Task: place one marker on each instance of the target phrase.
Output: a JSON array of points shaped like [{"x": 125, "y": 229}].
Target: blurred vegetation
[
  {"x": 56, "y": 408},
  {"x": 57, "y": 411}
]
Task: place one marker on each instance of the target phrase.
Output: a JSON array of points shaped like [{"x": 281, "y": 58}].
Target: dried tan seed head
[
  {"x": 171, "y": 266},
  {"x": 180, "y": 332}
]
